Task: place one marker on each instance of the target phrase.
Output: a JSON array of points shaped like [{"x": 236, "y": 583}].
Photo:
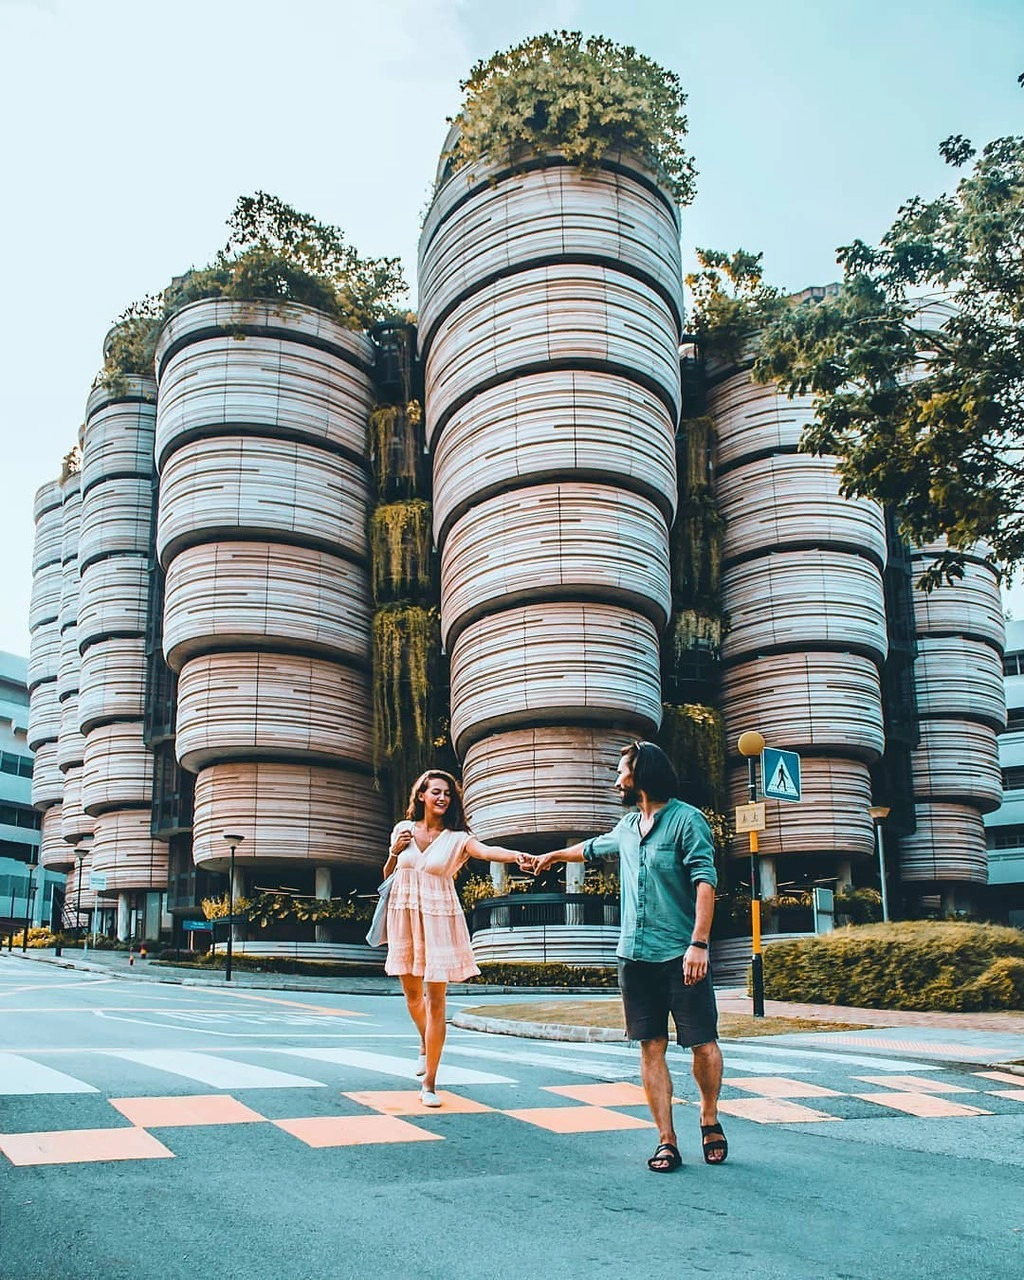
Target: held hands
[{"x": 536, "y": 863}]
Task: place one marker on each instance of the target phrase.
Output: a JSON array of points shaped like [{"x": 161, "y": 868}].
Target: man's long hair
[
  {"x": 652, "y": 771},
  {"x": 454, "y": 816}
]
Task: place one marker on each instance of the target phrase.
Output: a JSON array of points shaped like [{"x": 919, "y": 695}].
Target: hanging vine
[
  {"x": 693, "y": 737},
  {"x": 401, "y": 542},
  {"x": 397, "y": 449}
]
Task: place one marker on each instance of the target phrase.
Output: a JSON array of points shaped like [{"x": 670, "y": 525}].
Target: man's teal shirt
[{"x": 659, "y": 874}]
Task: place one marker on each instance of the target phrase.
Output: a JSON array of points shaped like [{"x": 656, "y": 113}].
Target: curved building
[
  {"x": 801, "y": 657},
  {"x": 261, "y": 443},
  {"x": 128, "y": 868},
  {"x": 550, "y": 308},
  {"x": 961, "y": 703}
]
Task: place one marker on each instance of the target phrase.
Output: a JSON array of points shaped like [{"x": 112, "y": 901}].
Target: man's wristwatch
[{"x": 694, "y": 943}]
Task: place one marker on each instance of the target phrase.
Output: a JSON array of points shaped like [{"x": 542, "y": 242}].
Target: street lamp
[
  {"x": 879, "y": 813},
  {"x": 750, "y": 745},
  {"x": 233, "y": 841}
]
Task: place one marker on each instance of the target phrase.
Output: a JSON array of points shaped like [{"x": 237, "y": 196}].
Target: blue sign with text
[{"x": 780, "y": 774}]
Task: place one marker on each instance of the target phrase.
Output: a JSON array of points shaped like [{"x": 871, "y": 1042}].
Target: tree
[
  {"x": 582, "y": 96},
  {"x": 731, "y": 302},
  {"x": 918, "y": 363}
]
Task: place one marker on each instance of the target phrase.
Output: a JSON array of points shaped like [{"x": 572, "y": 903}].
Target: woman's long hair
[{"x": 454, "y": 816}]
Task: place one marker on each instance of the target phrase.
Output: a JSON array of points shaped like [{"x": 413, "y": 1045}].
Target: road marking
[
  {"x": 387, "y": 1065},
  {"x": 776, "y": 1087},
  {"x": 222, "y": 1073},
  {"x": 913, "y": 1084},
  {"x": 922, "y": 1104},
  {"x": 528, "y": 1058},
  {"x": 581, "y": 1119},
  {"x": 354, "y": 1131},
  {"x": 773, "y": 1111},
  {"x": 193, "y": 1109},
  {"x": 23, "y": 1076},
  {"x": 82, "y": 1146}
]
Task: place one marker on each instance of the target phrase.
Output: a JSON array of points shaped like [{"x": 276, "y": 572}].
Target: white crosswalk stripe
[
  {"x": 215, "y": 1070},
  {"x": 20, "y": 1075},
  {"x": 386, "y": 1064}
]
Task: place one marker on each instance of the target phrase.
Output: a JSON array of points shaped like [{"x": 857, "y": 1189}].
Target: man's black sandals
[
  {"x": 713, "y": 1145},
  {"x": 666, "y": 1159}
]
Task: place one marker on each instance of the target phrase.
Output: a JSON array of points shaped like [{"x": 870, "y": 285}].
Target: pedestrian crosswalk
[{"x": 337, "y": 1095}]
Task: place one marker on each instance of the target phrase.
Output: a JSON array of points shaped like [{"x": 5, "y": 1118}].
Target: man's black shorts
[{"x": 651, "y": 991}]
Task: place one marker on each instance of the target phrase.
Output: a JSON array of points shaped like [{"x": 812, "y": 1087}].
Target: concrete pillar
[
  {"x": 123, "y": 917},
  {"x": 499, "y": 878},
  {"x": 322, "y": 890},
  {"x": 238, "y": 890},
  {"x": 574, "y": 884},
  {"x": 844, "y": 876},
  {"x": 768, "y": 877}
]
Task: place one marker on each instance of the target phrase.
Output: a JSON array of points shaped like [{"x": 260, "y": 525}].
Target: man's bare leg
[
  {"x": 658, "y": 1087},
  {"x": 707, "y": 1072}
]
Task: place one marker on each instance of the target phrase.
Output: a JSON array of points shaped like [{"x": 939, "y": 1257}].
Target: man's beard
[{"x": 629, "y": 796}]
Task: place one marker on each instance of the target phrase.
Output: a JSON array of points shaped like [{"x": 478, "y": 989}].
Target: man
[{"x": 667, "y": 876}]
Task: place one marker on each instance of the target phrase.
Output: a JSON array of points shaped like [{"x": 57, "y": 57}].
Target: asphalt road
[{"x": 161, "y": 1131}]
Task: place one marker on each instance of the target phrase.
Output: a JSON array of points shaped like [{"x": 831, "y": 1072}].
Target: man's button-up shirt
[{"x": 658, "y": 874}]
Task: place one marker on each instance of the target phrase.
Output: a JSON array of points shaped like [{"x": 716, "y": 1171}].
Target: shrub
[
  {"x": 582, "y": 96},
  {"x": 546, "y": 975},
  {"x": 912, "y": 965}
]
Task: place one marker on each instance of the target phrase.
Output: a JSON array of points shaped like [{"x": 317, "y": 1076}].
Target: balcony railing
[{"x": 527, "y": 910}]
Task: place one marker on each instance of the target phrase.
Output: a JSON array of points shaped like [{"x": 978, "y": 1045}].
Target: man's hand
[
  {"x": 695, "y": 965},
  {"x": 528, "y": 863}
]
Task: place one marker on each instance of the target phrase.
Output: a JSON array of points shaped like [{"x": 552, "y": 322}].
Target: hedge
[
  {"x": 927, "y": 965},
  {"x": 546, "y": 975}
]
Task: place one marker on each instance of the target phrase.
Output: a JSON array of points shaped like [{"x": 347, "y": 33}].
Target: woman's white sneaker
[
  {"x": 421, "y": 1065},
  {"x": 429, "y": 1098}
]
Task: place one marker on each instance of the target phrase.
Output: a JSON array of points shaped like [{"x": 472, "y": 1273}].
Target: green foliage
[
  {"x": 397, "y": 448},
  {"x": 693, "y": 738},
  {"x": 267, "y": 907},
  {"x": 582, "y": 96},
  {"x": 911, "y": 965},
  {"x": 474, "y": 890},
  {"x": 918, "y": 364},
  {"x": 274, "y": 253},
  {"x": 696, "y": 536},
  {"x": 401, "y": 545},
  {"x": 731, "y": 302},
  {"x": 863, "y": 906},
  {"x": 514, "y": 974},
  {"x": 600, "y": 883},
  {"x": 410, "y": 698}
]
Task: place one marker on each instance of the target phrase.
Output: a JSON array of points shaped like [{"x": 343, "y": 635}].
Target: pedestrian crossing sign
[{"x": 780, "y": 774}]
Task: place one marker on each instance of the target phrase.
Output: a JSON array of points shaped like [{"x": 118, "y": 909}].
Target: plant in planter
[
  {"x": 273, "y": 253},
  {"x": 583, "y": 96}
]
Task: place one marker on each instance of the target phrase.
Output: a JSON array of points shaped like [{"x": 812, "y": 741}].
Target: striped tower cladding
[
  {"x": 261, "y": 446},
  {"x": 958, "y": 677},
  {"x": 549, "y": 328},
  {"x": 802, "y": 589},
  {"x": 113, "y": 546}
]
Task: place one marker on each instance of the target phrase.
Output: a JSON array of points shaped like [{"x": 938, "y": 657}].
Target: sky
[{"x": 131, "y": 127}]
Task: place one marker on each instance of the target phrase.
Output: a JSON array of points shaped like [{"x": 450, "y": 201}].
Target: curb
[{"x": 537, "y": 1030}]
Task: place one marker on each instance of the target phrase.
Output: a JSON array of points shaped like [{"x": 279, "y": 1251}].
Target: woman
[{"x": 428, "y": 942}]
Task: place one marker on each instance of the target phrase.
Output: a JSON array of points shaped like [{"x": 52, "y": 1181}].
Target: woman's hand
[{"x": 401, "y": 842}]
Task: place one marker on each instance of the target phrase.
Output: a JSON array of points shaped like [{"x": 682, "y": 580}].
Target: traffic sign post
[{"x": 752, "y": 816}]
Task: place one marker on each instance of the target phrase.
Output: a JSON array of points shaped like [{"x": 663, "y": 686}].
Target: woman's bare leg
[
  {"x": 435, "y": 1030},
  {"x": 415, "y": 1003}
]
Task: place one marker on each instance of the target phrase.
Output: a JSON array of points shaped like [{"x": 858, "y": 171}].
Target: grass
[{"x": 608, "y": 1013}]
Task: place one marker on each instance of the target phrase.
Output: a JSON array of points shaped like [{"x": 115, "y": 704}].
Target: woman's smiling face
[{"x": 436, "y": 797}]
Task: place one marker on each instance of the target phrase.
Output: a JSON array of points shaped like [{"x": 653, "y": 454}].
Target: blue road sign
[{"x": 780, "y": 774}]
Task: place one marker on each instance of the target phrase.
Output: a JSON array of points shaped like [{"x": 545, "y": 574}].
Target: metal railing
[{"x": 527, "y": 910}]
